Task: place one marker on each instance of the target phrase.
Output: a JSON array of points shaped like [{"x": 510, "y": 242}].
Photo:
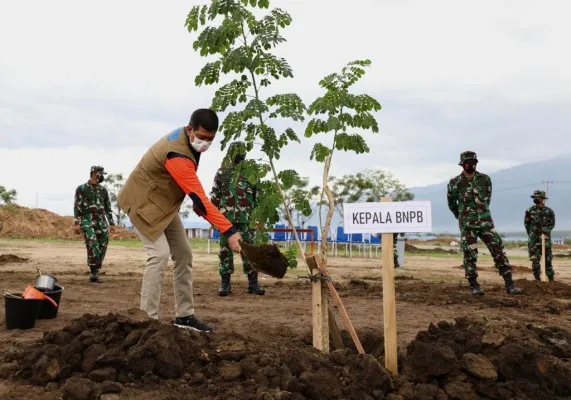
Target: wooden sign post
[
  {"x": 389, "y": 304},
  {"x": 388, "y": 217},
  {"x": 543, "y": 272}
]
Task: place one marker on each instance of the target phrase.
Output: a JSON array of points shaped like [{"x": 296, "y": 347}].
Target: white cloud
[{"x": 97, "y": 84}]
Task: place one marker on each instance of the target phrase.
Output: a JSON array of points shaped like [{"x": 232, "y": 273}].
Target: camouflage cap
[
  {"x": 467, "y": 155},
  {"x": 96, "y": 168},
  {"x": 538, "y": 194}
]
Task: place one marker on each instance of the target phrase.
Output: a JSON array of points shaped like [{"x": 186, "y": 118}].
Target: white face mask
[{"x": 200, "y": 145}]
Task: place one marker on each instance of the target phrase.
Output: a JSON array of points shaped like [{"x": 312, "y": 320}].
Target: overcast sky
[{"x": 86, "y": 84}]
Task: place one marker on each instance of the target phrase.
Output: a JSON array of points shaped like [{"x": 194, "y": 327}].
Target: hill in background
[{"x": 510, "y": 195}]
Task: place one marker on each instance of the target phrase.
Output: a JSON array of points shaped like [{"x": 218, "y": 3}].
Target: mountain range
[{"x": 511, "y": 191}]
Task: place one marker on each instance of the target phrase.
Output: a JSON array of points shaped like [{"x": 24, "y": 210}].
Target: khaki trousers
[{"x": 172, "y": 242}]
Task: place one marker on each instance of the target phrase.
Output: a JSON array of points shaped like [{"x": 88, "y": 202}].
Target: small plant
[{"x": 342, "y": 115}]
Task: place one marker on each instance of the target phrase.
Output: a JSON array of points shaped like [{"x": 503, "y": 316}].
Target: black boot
[
  {"x": 537, "y": 275},
  {"x": 94, "y": 274},
  {"x": 253, "y": 286},
  {"x": 511, "y": 288},
  {"x": 475, "y": 287},
  {"x": 225, "y": 286}
]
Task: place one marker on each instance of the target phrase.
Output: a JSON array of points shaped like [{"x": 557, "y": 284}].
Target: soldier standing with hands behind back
[
  {"x": 90, "y": 209},
  {"x": 540, "y": 219},
  {"x": 469, "y": 196}
]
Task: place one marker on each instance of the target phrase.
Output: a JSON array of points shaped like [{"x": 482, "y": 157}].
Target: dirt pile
[
  {"x": 493, "y": 360},
  {"x": 32, "y": 223},
  {"x": 11, "y": 258},
  {"x": 100, "y": 354},
  {"x": 416, "y": 250},
  {"x": 469, "y": 359}
]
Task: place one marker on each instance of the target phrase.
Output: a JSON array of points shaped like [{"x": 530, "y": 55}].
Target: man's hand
[
  {"x": 111, "y": 228},
  {"x": 234, "y": 242},
  {"x": 77, "y": 229}
]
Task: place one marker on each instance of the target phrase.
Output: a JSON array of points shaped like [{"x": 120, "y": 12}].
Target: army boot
[
  {"x": 225, "y": 285},
  {"x": 511, "y": 288},
  {"x": 94, "y": 274},
  {"x": 475, "y": 287},
  {"x": 253, "y": 286},
  {"x": 537, "y": 275}
]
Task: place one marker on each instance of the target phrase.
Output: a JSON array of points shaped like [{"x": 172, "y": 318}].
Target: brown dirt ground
[
  {"x": 33, "y": 223},
  {"x": 428, "y": 290}
]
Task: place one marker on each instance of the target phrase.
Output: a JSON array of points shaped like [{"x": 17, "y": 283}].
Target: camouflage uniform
[
  {"x": 236, "y": 200},
  {"x": 540, "y": 220},
  {"x": 469, "y": 200},
  {"x": 91, "y": 208},
  {"x": 395, "y": 252}
]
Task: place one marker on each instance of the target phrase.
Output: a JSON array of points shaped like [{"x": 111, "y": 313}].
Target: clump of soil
[
  {"x": 266, "y": 258},
  {"x": 564, "y": 255},
  {"x": 96, "y": 354},
  {"x": 468, "y": 359},
  {"x": 416, "y": 250},
  {"x": 34, "y": 223},
  {"x": 11, "y": 258},
  {"x": 494, "y": 359}
]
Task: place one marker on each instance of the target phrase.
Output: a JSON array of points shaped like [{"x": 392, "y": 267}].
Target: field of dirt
[{"x": 451, "y": 345}]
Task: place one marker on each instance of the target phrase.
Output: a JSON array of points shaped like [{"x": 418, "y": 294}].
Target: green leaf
[
  {"x": 346, "y": 142},
  {"x": 287, "y": 106},
  {"x": 288, "y": 178},
  {"x": 319, "y": 152}
]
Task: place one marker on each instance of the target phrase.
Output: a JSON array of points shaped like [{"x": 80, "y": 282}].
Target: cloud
[{"x": 83, "y": 85}]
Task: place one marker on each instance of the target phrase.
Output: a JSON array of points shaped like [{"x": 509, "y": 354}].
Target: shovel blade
[{"x": 266, "y": 258}]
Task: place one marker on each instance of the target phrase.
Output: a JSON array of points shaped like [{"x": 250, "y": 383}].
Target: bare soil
[
  {"x": 451, "y": 345},
  {"x": 33, "y": 223}
]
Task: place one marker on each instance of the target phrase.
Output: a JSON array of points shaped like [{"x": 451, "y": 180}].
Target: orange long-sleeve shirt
[{"x": 183, "y": 171}]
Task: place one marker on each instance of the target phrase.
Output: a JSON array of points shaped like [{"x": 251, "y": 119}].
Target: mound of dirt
[
  {"x": 413, "y": 249},
  {"x": 469, "y": 359},
  {"x": 11, "y": 258},
  {"x": 33, "y": 223},
  {"x": 563, "y": 255},
  {"x": 494, "y": 360}
]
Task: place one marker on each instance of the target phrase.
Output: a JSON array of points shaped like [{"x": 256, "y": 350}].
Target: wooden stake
[
  {"x": 320, "y": 307},
  {"x": 389, "y": 307},
  {"x": 543, "y": 271},
  {"x": 334, "y": 332}
]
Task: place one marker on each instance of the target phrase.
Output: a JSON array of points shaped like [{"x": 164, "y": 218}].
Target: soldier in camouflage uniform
[
  {"x": 91, "y": 208},
  {"x": 469, "y": 196},
  {"x": 540, "y": 219},
  {"x": 236, "y": 200}
]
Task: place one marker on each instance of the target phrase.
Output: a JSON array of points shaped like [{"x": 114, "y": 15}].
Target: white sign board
[{"x": 389, "y": 217}]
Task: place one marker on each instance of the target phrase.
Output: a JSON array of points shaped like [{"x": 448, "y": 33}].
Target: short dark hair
[{"x": 206, "y": 118}]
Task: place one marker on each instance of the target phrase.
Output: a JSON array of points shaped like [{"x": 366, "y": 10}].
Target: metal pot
[{"x": 46, "y": 282}]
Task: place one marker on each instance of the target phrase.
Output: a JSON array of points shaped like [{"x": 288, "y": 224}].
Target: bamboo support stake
[
  {"x": 319, "y": 307},
  {"x": 543, "y": 272},
  {"x": 389, "y": 306}
]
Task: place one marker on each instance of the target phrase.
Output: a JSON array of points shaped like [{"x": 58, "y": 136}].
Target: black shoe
[
  {"x": 225, "y": 286},
  {"x": 551, "y": 278},
  {"x": 536, "y": 276},
  {"x": 94, "y": 275},
  {"x": 477, "y": 290},
  {"x": 511, "y": 288},
  {"x": 253, "y": 286},
  {"x": 191, "y": 322}
]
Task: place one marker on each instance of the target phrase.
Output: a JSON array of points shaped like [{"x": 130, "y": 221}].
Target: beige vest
[{"x": 151, "y": 197}]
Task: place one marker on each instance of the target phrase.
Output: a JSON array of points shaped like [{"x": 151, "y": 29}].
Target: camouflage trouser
[
  {"x": 534, "y": 248},
  {"x": 470, "y": 235},
  {"x": 395, "y": 252},
  {"x": 227, "y": 256},
  {"x": 96, "y": 239}
]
